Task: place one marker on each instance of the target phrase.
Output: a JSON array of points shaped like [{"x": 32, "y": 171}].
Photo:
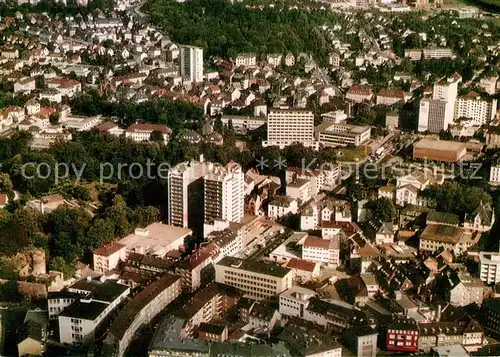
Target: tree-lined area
[{"x": 225, "y": 29}]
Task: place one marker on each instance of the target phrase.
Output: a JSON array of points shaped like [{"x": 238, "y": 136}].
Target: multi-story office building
[
  {"x": 331, "y": 134},
  {"x": 192, "y": 63},
  {"x": 79, "y": 320},
  {"x": 473, "y": 107},
  {"x": 287, "y": 126},
  {"x": 142, "y": 309},
  {"x": 436, "y": 113},
  {"x": 200, "y": 192},
  {"x": 224, "y": 193},
  {"x": 489, "y": 267},
  {"x": 258, "y": 280},
  {"x": 432, "y": 115}
]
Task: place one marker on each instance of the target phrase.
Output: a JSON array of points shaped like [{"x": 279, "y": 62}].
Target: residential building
[
  {"x": 314, "y": 213},
  {"x": 281, "y": 206},
  {"x": 359, "y": 94},
  {"x": 200, "y": 192},
  {"x": 169, "y": 340},
  {"x": 300, "y": 190},
  {"x": 287, "y": 126},
  {"x": 495, "y": 174},
  {"x": 402, "y": 335},
  {"x": 191, "y": 63},
  {"x": 142, "y": 132},
  {"x": 466, "y": 332},
  {"x": 390, "y": 96},
  {"x": 294, "y": 301},
  {"x": 324, "y": 178},
  {"x": 490, "y": 313},
  {"x": 52, "y": 95},
  {"x": 465, "y": 290},
  {"x": 303, "y": 340},
  {"x": 258, "y": 280},
  {"x": 471, "y": 106},
  {"x": 331, "y": 134},
  {"x": 210, "y": 303},
  {"x": 78, "y": 322},
  {"x": 324, "y": 251},
  {"x": 489, "y": 267},
  {"x": 493, "y": 136},
  {"x": 334, "y": 314},
  {"x": 362, "y": 340},
  {"x": 144, "y": 307},
  {"x": 481, "y": 219},
  {"x": 439, "y": 150},
  {"x": 57, "y": 301},
  {"x": 25, "y": 85},
  {"x": 212, "y": 332},
  {"x": 274, "y": 59},
  {"x": 303, "y": 270},
  {"x": 224, "y": 194},
  {"x": 32, "y": 335},
  {"x": 246, "y": 59},
  {"x": 108, "y": 257},
  {"x": 455, "y": 239},
  {"x": 67, "y": 87}
]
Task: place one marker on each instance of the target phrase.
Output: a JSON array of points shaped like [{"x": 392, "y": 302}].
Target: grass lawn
[{"x": 352, "y": 154}]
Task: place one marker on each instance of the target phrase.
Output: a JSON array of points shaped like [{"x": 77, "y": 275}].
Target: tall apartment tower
[
  {"x": 436, "y": 113},
  {"x": 287, "y": 126},
  {"x": 224, "y": 194},
  {"x": 471, "y": 106},
  {"x": 192, "y": 63},
  {"x": 200, "y": 192}
]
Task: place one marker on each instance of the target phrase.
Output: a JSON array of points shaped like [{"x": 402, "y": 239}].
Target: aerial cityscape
[{"x": 231, "y": 178}]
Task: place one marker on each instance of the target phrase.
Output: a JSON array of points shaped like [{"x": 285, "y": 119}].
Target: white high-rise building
[
  {"x": 471, "y": 106},
  {"x": 224, "y": 194},
  {"x": 203, "y": 192},
  {"x": 192, "y": 63},
  {"x": 489, "y": 267},
  {"x": 436, "y": 113},
  {"x": 287, "y": 126}
]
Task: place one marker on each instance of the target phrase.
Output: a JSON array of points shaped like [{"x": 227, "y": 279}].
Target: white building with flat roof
[
  {"x": 258, "y": 280},
  {"x": 489, "y": 267},
  {"x": 331, "y": 134},
  {"x": 471, "y": 106},
  {"x": 287, "y": 126},
  {"x": 294, "y": 301},
  {"x": 192, "y": 63}
]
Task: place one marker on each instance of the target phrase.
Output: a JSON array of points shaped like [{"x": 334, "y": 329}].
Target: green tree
[
  {"x": 101, "y": 231},
  {"x": 384, "y": 210},
  {"x": 157, "y": 136},
  {"x": 68, "y": 268},
  {"x": 54, "y": 118}
]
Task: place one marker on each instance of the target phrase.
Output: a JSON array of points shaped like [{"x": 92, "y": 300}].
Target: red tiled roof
[
  {"x": 106, "y": 126},
  {"x": 392, "y": 93},
  {"x": 108, "y": 249},
  {"x": 149, "y": 127},
  {"x": 317, "y": 242},
  {"x": 301, "y": 265},
  {"x": 362, "y": 90},
  {"x": 3, "y": 199}
]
